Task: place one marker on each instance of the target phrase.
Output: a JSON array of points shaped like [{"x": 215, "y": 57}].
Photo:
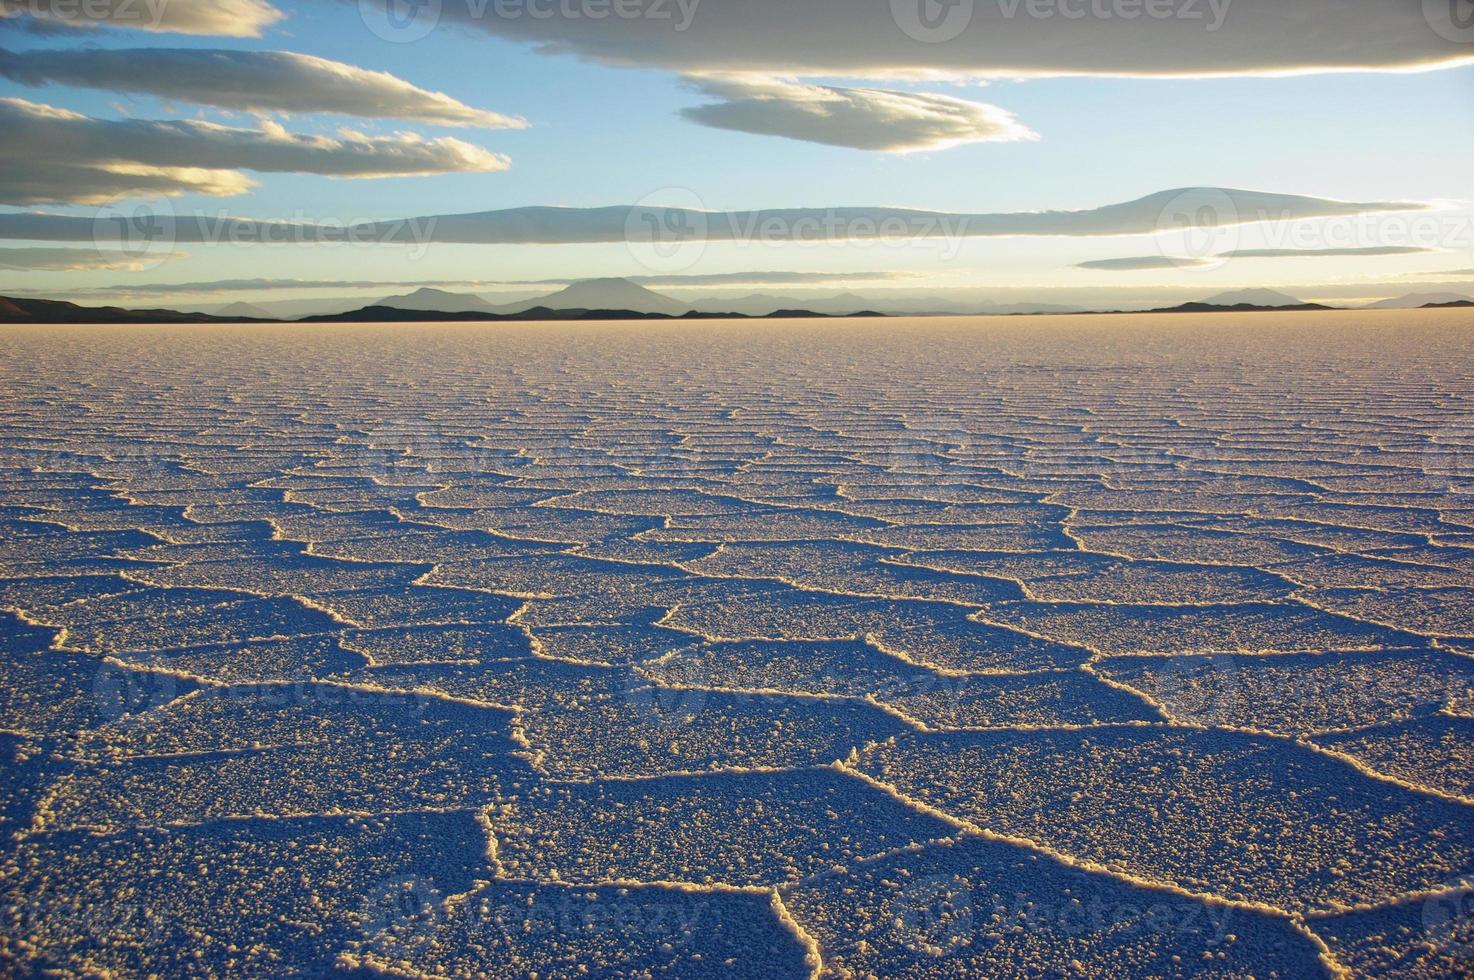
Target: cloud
[
  {"x": 48, "y": 182},
  {"x": 1298, "y": 253},
  {"x": 842, "y": 38},
  {"x": 54, "y": 155},
  {"x": 227, "y": 18},
  {"x": 247, "y": 80},
  {"x": 70, "y": 259},
  {"x": 645, "y": 224},
  {"x": 859, "y": 118},
  {"x": 1138, "y": 263}
]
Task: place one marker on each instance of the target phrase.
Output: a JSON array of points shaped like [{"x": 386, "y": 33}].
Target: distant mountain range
[
  {"x": 1415, "y": 301},
  {"x": 14, "y": 309},
  {"x": 622, "y": 299}
]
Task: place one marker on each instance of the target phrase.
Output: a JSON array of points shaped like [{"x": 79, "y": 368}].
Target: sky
[{"x": 1351, "y": 122}]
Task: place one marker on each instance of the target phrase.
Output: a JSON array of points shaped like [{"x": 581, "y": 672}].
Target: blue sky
[{"x": 603, "y": 135}]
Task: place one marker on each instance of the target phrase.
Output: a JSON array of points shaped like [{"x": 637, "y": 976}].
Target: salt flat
[{"x": 1129, "y": 646}]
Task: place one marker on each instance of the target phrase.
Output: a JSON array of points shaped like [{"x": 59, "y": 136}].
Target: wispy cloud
[
  {"x": 644, "y": 224},
  {"x": 1300, "y": 253},
  {"x": 1139, "y": 263},
  {"x": 70, "y": 259},
  {"x": 858, "y": 118},
  {"x": 54, "y": 155},
  {"x": 1136, "y": 263},
  {"x": 258, "y": 81}
]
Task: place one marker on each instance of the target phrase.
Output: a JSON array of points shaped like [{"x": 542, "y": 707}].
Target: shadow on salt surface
[
  {"x": 471, "y": 496},
  {"x": 1072, "y": 576},
  {"x": 546, "y": 524},
  {"x": 977, "y": 907},
  {"x": 27, "y": 768},
  {"x": 417, "y": 605},
  {"x": 852, "y": 569},
  {"x": 1244, "y": 817},
  {"x": 651, "y": 731},
  {"x": 289, "y": 660},
  {"x": 1291, "y": 694},
  {"x": 52, "y": 550},
  {"x": 154, "y": 902},
  {"x": 1419, "y": 938},
  {"x": 1395, "y": 519},
  {"x": 286, "y": 573},
  {"x": 439, "y": 644},
  {"x": 285, "y": 750},
  {"x": 933, "y": 634},
  {"x": 45, "y": 594},
  {"x": 1436, "y": 751},
  {"x": 968, "y": 537},
  {"x": 423, "y": 545},
  {"x": 172, "y": 618},
  {"x": 777, "y": 524},
  {"x": 1350, "y": 571},
  {"x": 1170, "y": 542},
  {"x": 370, "y": 497},
  {"x": 1433, "y": 612},
  {"x": 551, "y": 576},
  {"x": 739, "y": 829},
  {"x": 554, "y": 930},
  {"x": 611, "y": 644},
  {"x": 51, "y": 693},
  {"x": 1240, "y": 628},
  {"x": 654, "y": 503},
  {"x": 858, "y": 670},
  {"x": 584, "y": 721}
]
